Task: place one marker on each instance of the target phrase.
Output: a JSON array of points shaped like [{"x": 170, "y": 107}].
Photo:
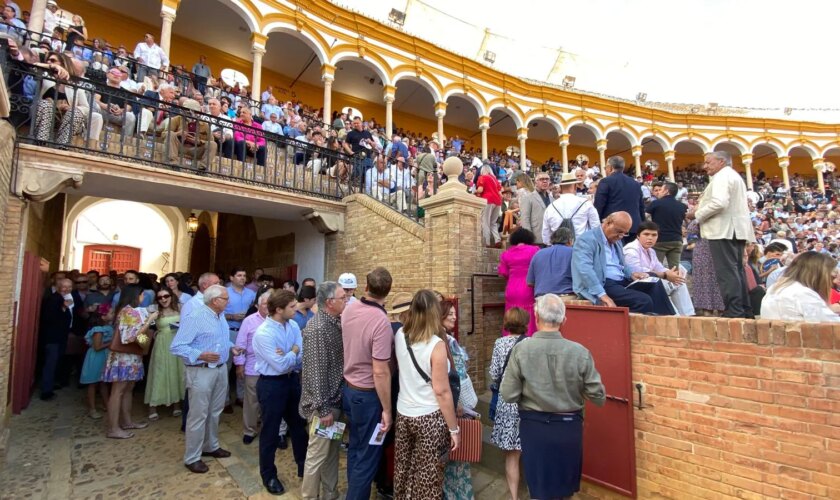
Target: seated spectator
[
  {"x": 222, "y": 133},
  {"x": 273, "y": 125},
  {"x": 55, "y": 105},
  {"x": 782, "y": 237},
  {"x": 270, "y": 107},
  {"x": 190, "y": 138},
  {"x": 403, "y": 180},
  {"x": 550, "y": 270},
  {"x": 802, "y": 293},
  {"x": 378, "y": 181},
  {"x": 641, "y": 256},
  {"x": 154, "y": 118},
  {"x": 10, "y": 24},
  {"x": 247, "y": 141},
  {"x": 600, "y": 275},
  {"x": 116, "y": 106},
  {"x": 772, "y": 261}
]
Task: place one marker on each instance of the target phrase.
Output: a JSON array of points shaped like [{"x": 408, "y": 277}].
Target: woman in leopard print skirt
[{"x": 426, "y": 425}]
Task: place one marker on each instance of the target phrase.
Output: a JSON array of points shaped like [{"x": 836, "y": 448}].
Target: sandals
[
  {"x": 176, "y": 413},
  {"x": 135, "y": 425},
  {"x": 127, "y": 435},
  {"x": 153, "y": 416}
]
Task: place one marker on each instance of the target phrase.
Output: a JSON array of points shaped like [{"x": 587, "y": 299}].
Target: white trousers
[{"x": 208, "y": 387}]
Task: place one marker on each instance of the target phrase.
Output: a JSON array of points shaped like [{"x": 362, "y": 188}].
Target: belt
[
  {"x": 205, "y": 365},
  {"x": 280, "y": 377},
  {"x": 363, "y": 389},
  {"x": 233, "y": 329}
]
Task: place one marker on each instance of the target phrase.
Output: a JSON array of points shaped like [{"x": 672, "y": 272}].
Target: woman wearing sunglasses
[{"x": 165, "y": 383}]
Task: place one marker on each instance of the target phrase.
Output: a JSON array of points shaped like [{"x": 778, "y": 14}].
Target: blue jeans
[
  {"x": 52, "y": 355},
  {"x": 364, "y": 414}
]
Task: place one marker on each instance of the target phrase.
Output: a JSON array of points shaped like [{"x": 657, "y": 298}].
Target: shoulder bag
[
  {"x": 454, "y": 379},
  {"x": 494, "y": 387}
]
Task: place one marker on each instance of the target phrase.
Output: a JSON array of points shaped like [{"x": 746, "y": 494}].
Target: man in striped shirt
[{"x": 203, "y": 342}]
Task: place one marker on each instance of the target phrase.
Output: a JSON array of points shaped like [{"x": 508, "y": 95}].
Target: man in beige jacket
[{"x": 724, "y": 219}]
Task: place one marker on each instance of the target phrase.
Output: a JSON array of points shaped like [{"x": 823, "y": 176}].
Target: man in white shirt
[
  {"x": 270, "y": 107},
  {"x": 378, "y": 181},
  {"x": 267, "y": 93},
  {"x": 272, "y": 125},
  {"x": 580, "y": 210},
  {"x": 149, "y": 55},
  {"x": 640, "y": 256},
  {"x": 221, "y": 134},
  {"x": 403, "y": 182}
]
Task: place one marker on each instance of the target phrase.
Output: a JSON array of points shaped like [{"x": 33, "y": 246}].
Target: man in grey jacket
[{"x": 532, "y": 205}]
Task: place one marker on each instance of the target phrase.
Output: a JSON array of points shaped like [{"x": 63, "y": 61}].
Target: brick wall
[
  {"x": 9, "y": 244},
  {"x": 737, "y": 408},
  {"x": 375, "y": 235}
]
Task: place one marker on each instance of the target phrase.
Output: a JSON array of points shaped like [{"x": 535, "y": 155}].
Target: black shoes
[
  {"x": 217, "y": 453},
  {"x": 274, "y": 486},
  {"x": 246, "y": 439},
  {"x": 300, "y": 469},
  {"x": 49, "y": 396},
  {"x": 283, "y": 443},
  {"x": 197, "y": 467}
]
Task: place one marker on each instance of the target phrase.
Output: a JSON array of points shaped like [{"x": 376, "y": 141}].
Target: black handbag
[{"x": 454, "y": 379}]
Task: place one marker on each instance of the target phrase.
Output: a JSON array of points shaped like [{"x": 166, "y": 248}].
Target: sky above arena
[{"x": 750, "y": 53}]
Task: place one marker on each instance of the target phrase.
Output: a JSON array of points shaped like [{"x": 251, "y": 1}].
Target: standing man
[
  {"x": 620, "y": 193},
  {"x": 668, "y": 214},
  {"x": 202, "y": 73},
  {"x": 246, "y": 368},
  {"x": 568, "y": 206},
  {"x": 203, "y": 342},
  {"x": 277, "y": 347},
  {"x": 150, "y": 56},
  {"x": 724, "y": 219},
  {"x": 427, "y": 163},
  {"x": 240, "y": 301},
  {"x": 323, "y": 376},
  {"x": 532, "y": 207},
  {"x": 368, "y": 344},
  {"x": 357, "y": 141},
  {"x": 255, "y": 283},
  {"x": 550, "y": 401},
  {"x": 56, "y": 320}
]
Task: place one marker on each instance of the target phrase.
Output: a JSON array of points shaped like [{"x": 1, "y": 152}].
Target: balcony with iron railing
[{"x": 92, "y": 118}]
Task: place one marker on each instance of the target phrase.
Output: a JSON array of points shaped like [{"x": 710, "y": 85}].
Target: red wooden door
[
  {"x": 609, "y": 456},
  {"x": 25, "y": 344},
  {"x": 105, "y": 258}
]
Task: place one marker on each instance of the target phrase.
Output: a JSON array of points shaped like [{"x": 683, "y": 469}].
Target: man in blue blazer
[
  {"x": 620, "y": 193},
  {"x": 599, "y": 273}
]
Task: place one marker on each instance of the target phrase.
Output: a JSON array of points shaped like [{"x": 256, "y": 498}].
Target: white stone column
[
  {"x": 389, "y": 96},
  {"x": 484, "y": 126},
  {"x": 36, "y": 16},
  {"x": 669, "y": 159},
  {"x": 784, "y": 163},
  {"x": 564, "y": 149},
  {"x": 258, "y": 41},
  {"x": 747, "y": 159},
  {"x": 328, "y": 81},
  {"x": 440, "y": 112},
  {"x": 637, "y": 159},
  {"x": 168, "y": 17},
  {"x": 601, "y": 145},
  {"x": 522, "y": 135},
  {"x": 819, "y": 166}
]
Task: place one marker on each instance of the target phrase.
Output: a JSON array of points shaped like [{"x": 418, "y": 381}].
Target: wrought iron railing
[{"x": 93, "y": 118}]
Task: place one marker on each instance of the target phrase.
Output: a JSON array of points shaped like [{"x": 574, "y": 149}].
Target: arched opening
[
  {"x": 619, "y": 143},
  {"x": 734, "y": 151},
  {"x": 100, "y": 238},
  {"x": 543, "y": 136},
  {"x": 292, "y": 68},
  {"x": 360, "y": 84},
  {"x": 766, "y": 164},
  {"x": 582, "y": 141},
  {"x": 689, "y": 156},
  {"x": 832, "y": 159},
  {"x": 801, "y": 167},
  {"x": 200, "y": 252},
  {"x": 462, "y": 118},
  {"x": 222, "y": 25},
  {"x": 502, "y": 132},
  {"x": 414, "y": 103},
  {"x": 653, "y": 156}
]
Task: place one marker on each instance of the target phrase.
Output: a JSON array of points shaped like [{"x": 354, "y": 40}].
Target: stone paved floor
[{"x": 56, "y": 452}]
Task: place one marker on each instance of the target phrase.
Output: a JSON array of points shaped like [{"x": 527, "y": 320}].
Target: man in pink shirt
[
  {"x": 248, "y": 140},
  {"x": 245, "y": 368},
  {"x": 368, "y": 344}
]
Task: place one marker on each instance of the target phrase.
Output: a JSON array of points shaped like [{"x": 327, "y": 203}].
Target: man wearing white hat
[
  {"x": 569, "y": 206},
  {"x": 427, "y": 163},
  {"x": 348, "y": 283}
]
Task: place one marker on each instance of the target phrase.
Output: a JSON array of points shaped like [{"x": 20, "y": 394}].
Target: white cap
[{"x": 347, "y": 280}]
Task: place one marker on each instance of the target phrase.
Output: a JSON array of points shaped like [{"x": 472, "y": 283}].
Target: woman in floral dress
[
  {"x": 122, "y": 369},
  {"x": 457, "y": 479},
  {"x": 505, "y": 433},
  {"x": 704, "y": 285}
]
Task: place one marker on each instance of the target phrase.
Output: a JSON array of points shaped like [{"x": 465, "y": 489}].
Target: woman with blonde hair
[
  {"x": 425, "y": 406},
  {"x": 524, "y": 185},
  {"x": 803, "y": 291}
]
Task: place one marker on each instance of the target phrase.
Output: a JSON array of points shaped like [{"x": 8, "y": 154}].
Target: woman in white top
[
  {"x": 802, "y": 293},
  {"x": 426, "y": 425}
]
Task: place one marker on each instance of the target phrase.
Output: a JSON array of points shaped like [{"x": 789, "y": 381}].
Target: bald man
[{"x": 600, "y": 275}]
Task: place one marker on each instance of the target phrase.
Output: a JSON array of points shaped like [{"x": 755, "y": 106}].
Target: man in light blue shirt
[
  {"x": 241, "y": 299},
  {"x": 203, "y": 342},
  {"x": 277, "y": 347}
]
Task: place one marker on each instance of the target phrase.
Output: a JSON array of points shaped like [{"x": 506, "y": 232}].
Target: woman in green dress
[{"x": 165, "y": 383}]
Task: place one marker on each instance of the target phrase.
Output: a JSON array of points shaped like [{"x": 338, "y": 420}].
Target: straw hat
[
  {"x": 400, "y": 302},
  {"x": 568, "y": 178}
]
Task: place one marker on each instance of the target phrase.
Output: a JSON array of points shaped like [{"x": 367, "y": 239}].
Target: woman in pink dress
[{"x": 513, "y": 266}]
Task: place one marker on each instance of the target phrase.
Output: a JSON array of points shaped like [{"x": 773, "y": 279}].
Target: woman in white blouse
[{"x": 802, "y": 293}]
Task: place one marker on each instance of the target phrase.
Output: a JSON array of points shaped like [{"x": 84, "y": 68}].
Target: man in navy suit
[
  {"x": 600, "y": 275},
  {"x": 620, "y": 193}
]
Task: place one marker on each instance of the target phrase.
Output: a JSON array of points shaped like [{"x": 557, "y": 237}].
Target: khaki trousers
[
  {"x": 250, "y": 406},
  {"x": 320, "y": 471}
]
